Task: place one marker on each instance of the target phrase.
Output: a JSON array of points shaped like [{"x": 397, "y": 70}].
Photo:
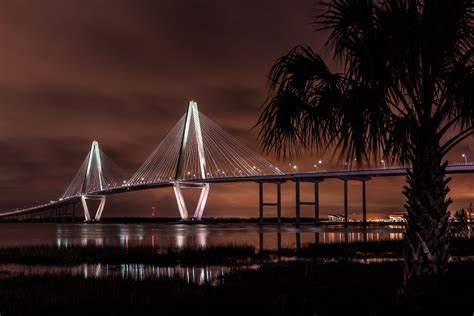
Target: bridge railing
[{"x": 460, "y": 164}]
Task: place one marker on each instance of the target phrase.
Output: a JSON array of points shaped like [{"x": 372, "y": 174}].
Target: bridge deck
[{"x": 301, "y": 176}]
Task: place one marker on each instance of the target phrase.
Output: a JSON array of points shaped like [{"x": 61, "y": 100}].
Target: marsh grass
[
  {"x": 305, "y": 286},
  {"x": 48, "y": 254},
  {"x": 228, "y": 255},
  {"x": 291, "y": 288}
]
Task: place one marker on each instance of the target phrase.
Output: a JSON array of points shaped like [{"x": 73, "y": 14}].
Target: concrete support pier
[
  {"x": 299, "y": 203},
  {"x": 87, "y": 215},
  {"x": 364, "y": 204},
  {"x": 346, "y": 206},
  {"x": 262, "y": 202},
  {"x": 364, "y": 199}
]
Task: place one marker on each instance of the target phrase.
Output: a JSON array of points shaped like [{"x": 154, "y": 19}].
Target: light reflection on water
[
  {"x": 180, "y": 235},
  {"x": 212, "y": 275}
]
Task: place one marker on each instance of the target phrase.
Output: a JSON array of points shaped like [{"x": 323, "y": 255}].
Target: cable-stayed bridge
[{"x": 195, "y": 154}]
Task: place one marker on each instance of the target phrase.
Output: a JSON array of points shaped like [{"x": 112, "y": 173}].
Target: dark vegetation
[
  {"x": 396, "y": 84},
  {"x": 230, "y": 255},
  {"x": 304, "y": 286},
  {"x": 296, "y": 288},
  {"x": 47, "y": 254}
]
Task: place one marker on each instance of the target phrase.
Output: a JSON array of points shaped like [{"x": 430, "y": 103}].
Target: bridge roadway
[{"x": 359, "y": 174}]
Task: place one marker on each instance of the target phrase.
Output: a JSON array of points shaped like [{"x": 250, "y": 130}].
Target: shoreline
[{"x": 174, "y": 220}]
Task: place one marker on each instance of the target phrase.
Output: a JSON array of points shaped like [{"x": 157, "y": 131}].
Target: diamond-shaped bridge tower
[
  {"x": 194, "y": 152},
  {"x": 96, "y": 175}
]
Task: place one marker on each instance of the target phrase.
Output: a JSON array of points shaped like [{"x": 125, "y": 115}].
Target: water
[
  {"x": 181, "y": 235},
  {"x": 212, "y": 275},
  {"x": 172, "y": 235}
]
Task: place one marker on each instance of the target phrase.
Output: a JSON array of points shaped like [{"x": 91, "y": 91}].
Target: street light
[
  {"x": 292, "y": 166},
  {"x": 316, "y": 165},
  {"x": 384, "y": 165},
  {"x": 465, "y": 157}
]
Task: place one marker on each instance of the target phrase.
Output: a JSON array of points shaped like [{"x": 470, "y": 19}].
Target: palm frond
[
  {"x": 300, "y": 114},
  {"x": 408, "y": 68}
]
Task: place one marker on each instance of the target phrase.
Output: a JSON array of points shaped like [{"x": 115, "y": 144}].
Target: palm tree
[{"x": 403, "y": 93}]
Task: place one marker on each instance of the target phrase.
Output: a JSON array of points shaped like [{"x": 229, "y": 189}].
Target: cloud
[{"x": 122, "y": 72}]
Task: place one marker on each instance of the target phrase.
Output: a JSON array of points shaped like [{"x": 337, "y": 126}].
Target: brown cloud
[{"x": 122, "y": 72}]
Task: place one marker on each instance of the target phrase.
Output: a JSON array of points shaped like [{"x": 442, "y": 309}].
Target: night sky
[{"x": 123, "y": 72}]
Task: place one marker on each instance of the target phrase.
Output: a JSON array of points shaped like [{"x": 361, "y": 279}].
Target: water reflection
[
  {"x": 302, "y": 238},
  {"x": 178, "y": 235},
  {"x": 212, "y": 275},
  {"x": 156, "y": 236}
]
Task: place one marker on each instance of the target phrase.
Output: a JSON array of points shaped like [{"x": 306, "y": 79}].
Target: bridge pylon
[
  {"x": 98, "y": 214},
  {"x": 197, "y": 152},
  {"x": 191, "y": 138},
  {"x": 183, "y": 210},
  {"x": 91, "y": 180},
  {"x": 94, "y": 174}
]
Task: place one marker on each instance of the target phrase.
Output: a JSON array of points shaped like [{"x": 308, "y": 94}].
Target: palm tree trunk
[{"x": 427, "y": 236}]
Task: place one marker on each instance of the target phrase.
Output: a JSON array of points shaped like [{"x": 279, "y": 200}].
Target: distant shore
[{"x": 210, "y": 220}]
